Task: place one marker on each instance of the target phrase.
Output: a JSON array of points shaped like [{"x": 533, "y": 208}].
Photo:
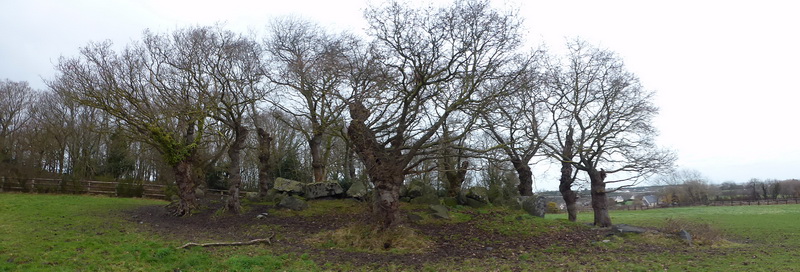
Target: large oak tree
[
  {"x": 425, "y": 65},
  {"x": 156, "y": 88},
  {"x": 603, "y": 123}
]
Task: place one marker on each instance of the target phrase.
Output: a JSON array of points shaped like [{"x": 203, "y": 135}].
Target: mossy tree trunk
[{"x": 186, "y": 185}]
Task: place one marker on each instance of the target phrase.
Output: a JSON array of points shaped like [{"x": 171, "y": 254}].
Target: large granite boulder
[
  {"x": 293, "y": 203},
  {"x": 322, "y": 189},
  {"x": 450, "y": 201},
  {"x": 533, "y": 205},
  {"x": 357, "y": 190},
  {"x": 425, "y": 199},
  {"x": 475, "y": 204},
  {"x": 414, "y": 190},
  {"x": 478, "y": 193},
  {"x": 289, "y": 186}
]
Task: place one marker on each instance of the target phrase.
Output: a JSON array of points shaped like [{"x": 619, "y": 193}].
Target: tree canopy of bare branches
[
  {"x": 156, "y": 88},
  {"x": 307, "y": 64},
  {"x": 428, "y": 64},
  {"x": 603, "y": 114}
]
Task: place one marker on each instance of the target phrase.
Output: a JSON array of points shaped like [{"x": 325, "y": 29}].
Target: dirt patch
[{"x": 454, "y": 242}]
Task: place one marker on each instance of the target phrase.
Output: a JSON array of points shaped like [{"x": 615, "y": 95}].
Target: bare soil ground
[{"x": 453, "y": 241}]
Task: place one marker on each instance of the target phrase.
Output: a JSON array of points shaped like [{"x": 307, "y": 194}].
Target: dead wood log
[{"x": 267, "y": 240}]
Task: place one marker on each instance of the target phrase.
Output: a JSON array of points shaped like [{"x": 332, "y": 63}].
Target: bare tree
[
  {"x": 678, "y": 177},
  {"x": 608, "y": 114},
  {"x": 15, "y": 100},
  {"x": 234, "y": 66},
  {"x": 155, "y": 89},
  {"x": 753, "y": 186},
  {"x": 424, "y": 66},
  {"x": 307, "y": 63},
  {"x": 516, "y": 121},
  {"x": 690, "y": 187}
]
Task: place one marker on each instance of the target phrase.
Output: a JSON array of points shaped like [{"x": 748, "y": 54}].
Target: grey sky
[{"x": 724, "y": 71}]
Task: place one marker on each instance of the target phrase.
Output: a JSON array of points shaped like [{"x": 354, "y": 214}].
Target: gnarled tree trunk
[
  {"x": 525, "y": 174},
  {"x": 455, "y": 177},
  {"x": 234, "y": 170},
  {"x": 599, "y": 198},
  {"x": 384, "y": 167},
  {"x": 569, "y": 196},
  {"x": 567, "y": 178},
  {"x": 388, "y": 180},
  {"x": 185, "y": 181}
]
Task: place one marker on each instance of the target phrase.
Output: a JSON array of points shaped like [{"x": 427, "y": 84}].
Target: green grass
[
  {"x": 764, "y": 238},
  {"x": 81, "y": 233},
  {"x": 765, "y": 223},
  {"x": 512, "y": 222}
]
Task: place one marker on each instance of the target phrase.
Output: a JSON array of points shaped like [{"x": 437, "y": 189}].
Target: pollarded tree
[
  {"x": 155, "y": 89},
  {"x": 603, "y": 116},
  {"x": 306, "y": 63},
  {"x": 424, "y": 66}
]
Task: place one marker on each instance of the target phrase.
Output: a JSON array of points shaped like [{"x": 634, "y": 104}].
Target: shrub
[{"x": 552, "y": 207}]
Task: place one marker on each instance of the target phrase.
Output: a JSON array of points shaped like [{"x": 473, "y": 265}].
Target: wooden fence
[
  {"x": 793, "y": 200},
  {"x": 109, "y": 188},
  {"x": 779, "y": 201}
]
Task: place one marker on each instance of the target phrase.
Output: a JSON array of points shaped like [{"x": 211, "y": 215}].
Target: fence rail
[
  {"x": 779, "y": 201},
  {"x": 93, "y": 187}
]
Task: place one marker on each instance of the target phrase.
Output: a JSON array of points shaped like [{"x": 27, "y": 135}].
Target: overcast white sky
[{"x": 725, "y": 71}]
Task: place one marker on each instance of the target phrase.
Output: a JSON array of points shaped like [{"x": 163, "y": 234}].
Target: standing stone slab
[
  {"x": 425, "y": 199},
  {"x": 685, "y": 236},
  {"x": 478, "y": 193}
]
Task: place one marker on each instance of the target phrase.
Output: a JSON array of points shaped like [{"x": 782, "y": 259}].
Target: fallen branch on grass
[{"x": 267, "y": 240}]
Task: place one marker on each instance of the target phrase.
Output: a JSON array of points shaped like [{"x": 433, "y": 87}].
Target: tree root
[{"x": 267, "y": 240}]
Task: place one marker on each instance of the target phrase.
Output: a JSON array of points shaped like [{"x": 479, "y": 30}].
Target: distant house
[
  {"x": 619, "y": 199},
  {"x": 650, "y": 201}
]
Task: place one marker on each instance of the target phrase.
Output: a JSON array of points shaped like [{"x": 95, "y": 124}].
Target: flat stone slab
[{"x": 623, "y": 228}]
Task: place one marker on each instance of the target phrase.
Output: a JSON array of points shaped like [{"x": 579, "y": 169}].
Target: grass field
[
  {"x": 83, "y": 233},
  {"x": 764, "y": 238}
]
